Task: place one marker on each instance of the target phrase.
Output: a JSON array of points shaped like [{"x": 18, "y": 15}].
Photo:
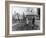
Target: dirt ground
[{"x": 24, "y": 26}]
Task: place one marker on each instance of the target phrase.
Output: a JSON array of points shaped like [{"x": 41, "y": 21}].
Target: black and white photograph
[{"x": 25, "y": 18}]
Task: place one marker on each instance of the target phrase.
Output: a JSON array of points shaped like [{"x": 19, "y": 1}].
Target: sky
[{"x": 26, "y": 10}]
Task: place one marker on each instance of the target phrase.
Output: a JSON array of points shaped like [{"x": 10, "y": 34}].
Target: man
[
  {"x": 27, "y": 21},
  {"x": 33, "y": 20}
]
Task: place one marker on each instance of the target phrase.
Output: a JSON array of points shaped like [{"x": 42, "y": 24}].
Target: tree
[
  {"x": 24, "y": 18},
  {"x": 38, "y": 12},
  {"x": 18, "y": 16}
]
